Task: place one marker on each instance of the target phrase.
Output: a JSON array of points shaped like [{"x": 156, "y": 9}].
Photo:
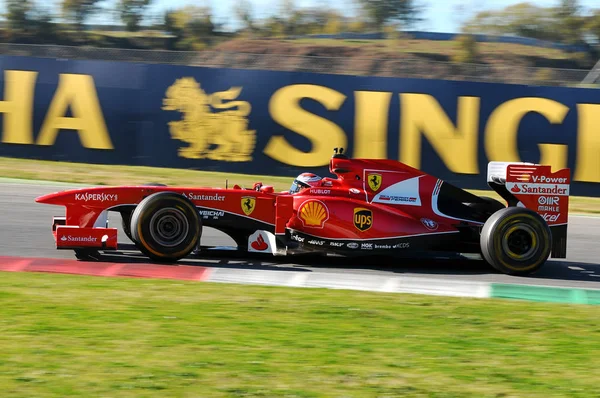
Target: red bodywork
[{"x": 371, "y": 205}]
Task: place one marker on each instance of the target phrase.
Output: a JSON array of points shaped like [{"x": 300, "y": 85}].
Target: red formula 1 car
[{"x": 372, "y": 207}]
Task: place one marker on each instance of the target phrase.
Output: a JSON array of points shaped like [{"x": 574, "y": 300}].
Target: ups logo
[
  {"x": 363, "y": 219},
  {"x": 221, "y": 135}
]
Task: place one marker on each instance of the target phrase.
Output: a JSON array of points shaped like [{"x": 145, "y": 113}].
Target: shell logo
[{"x": 313, "y": 213}]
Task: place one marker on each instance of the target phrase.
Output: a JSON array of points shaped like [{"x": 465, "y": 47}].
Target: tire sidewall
[
  {"x": 499, "y": 224},
  {"x": 141, "y": 220}
]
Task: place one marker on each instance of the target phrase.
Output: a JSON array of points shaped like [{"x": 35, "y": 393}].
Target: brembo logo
[{"x": 97, "y": 197}]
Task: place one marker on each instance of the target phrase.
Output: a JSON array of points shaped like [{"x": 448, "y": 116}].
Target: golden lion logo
[{"x": 221, "y": 135}]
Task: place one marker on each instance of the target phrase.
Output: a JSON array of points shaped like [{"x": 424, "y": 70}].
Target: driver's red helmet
[{"x": 305, "y": 180}]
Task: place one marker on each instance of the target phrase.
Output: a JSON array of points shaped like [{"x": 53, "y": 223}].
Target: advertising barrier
[{"x": 283, "y": 123}]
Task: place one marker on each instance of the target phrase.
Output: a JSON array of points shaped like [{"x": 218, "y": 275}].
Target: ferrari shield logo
[
  {"x": 248, "y": 204},
  {"x": 374, "y": 181}
]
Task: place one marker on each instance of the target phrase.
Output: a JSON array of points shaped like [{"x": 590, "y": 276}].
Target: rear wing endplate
[{"x": 536, "y": 187}]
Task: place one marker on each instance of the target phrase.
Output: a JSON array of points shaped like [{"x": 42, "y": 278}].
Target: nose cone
[{"x": 52, "y": 198}]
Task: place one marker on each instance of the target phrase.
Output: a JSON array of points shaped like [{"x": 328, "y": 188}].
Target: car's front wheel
[
  {"x": 166, "y": 226},
  {"x": 516, "y": 241}
]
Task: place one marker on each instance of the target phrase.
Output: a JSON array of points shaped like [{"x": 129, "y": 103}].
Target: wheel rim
[
  {"x": 519, "y": 242},
  {"x": 169, "y": 227}
]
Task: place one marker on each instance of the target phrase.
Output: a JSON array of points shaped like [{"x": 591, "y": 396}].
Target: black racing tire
[
  {"x": 516, "y": 241},
  {"x": 126, "y": 214},
  {"x": 166, "y": 227}
]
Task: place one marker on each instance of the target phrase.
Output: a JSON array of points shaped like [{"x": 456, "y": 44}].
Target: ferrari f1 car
[{"x": 372, "y": 206}]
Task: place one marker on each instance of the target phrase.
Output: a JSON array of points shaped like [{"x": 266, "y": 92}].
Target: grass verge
[
  {"x": 68, "y": 335},
  {"x": 122, "y": 175}
]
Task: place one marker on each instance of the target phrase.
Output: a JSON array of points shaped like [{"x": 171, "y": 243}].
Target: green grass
[
  {"x": 123, "y": 175},
  {"x": 86, "y": 336}
]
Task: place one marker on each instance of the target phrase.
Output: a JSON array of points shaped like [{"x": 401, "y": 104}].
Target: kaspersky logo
[{"x": 97, "y": 197}]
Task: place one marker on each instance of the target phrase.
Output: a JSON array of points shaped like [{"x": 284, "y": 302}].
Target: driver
[{"x": 305, "y": 180}]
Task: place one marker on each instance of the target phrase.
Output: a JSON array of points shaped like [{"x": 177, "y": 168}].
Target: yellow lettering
[
  {"x": 371, "y": 124},
  {"x": 79, "y": 93},
  {"x": 323, "y": 134},
  {"x": 554, "y": 154},
  {"x": 17, "y": 106},
  {"x": 456, "y": 146},
  {"x": 587, "y": 165},
  {"x": 503, "y": 125}
]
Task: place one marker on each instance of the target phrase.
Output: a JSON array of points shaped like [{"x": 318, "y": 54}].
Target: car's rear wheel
[
  {"x": 166, "y": 226},
  {"x": 516, "y": 241}
]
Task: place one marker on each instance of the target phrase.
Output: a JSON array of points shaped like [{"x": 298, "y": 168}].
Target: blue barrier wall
[{"x": 283, "y": 123}]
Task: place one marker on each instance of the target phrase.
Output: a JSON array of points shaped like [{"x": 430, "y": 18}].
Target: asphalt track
[{"x": 26, "y": 232}]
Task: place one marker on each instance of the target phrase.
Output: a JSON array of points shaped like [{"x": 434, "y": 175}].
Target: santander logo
[
  {"x": 259, "y": 244},
  {"x": 515, "y": 189}
]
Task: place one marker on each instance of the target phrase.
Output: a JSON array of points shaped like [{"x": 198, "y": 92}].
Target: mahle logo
[
  {"x": 213, "y": 129},
  {"x": 363, "y": 219}
]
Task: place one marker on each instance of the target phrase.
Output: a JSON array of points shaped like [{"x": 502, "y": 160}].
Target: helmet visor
[{"x": 297, "y": 186}]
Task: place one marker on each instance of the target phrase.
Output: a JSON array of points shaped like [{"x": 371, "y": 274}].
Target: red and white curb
[
  {"x": 307, "y": 279},
  {"x": 364, "y": 282},
  {"x": 299, "y": 279},
  {"x": 132, "y": 270}
]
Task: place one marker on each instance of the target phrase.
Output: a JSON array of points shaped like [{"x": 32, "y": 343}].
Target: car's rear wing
[{"x": 536, "y": 187}]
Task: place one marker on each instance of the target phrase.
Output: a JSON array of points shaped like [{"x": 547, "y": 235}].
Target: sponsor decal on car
[
  {"x": 550, "y": 180},
  {"x": 248, "y": 204},
  {"x": 213, "y": 198},
  {"x": 429, "y": 224},
  {"x": 537, "y": 189},
  {"x": 363, "y": 219},
  {"x": 549, "y": 203},
  {"x": 316, "y": 242},
  {"x": 402, "y": 245},
  {"x": 383, "y": 246},
  {"x": 366, "y": 246},
  {"x": 397, "y": 199},
  {"x": 550, "y": 217},
  {"x": 259, "y": 244},
  {"x": 298, "y": 238},
  {"x": 352, "y": 245},
  {"x": 97, "y": 197},
  {"x": 215, "y": 214},
  {"x": 313, "y": 213},
  {"x": 404, "y": 193},
  {"x": 374, "y": 180},
  {"x": 316, "y": 191},
  {"x": 336, "y": 244},
  {"x": 69, "y": 238}
]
